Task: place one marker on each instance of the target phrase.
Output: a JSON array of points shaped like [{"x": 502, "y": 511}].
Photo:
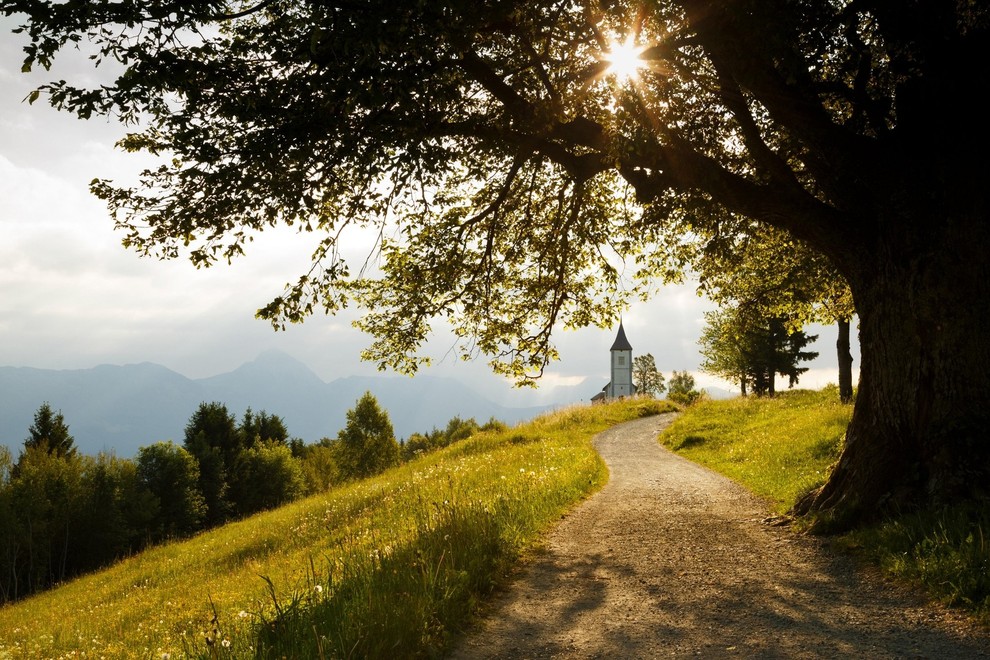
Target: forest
[{"x": 63, "y": 513}]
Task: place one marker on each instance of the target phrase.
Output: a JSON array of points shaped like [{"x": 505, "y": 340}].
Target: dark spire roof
[{"x": 621, "y": 343}]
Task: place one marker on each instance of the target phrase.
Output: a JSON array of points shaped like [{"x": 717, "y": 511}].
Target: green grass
[
  {"x": 779, "y": 448},
  {"x": 945, "y": 550},
  {"x": 390, "y": 565}
]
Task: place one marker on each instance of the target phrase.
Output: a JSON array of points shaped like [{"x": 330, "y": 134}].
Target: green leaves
[{"x": 484, "y": 141}]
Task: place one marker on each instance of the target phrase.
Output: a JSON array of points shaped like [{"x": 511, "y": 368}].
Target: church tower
[{"x": 621, "y": 383}]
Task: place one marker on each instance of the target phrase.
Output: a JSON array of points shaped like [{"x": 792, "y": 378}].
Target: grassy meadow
[
  {"x": 780, "y": 448},
  {"x": 392, "y": 565}
]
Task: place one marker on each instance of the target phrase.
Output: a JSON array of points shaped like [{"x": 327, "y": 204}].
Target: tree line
[{"x": 63, "y": 513}]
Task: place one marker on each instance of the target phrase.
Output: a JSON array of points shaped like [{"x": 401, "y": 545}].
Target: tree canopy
[
  {"x": 366, "y": 445},
  {"x": 760, "y": 272},
  {"x": 647, "y": 379},
  {"x": 681, "y": 389},
  {"x": 512, "y": 172},
  {"x": 752, "y": 350}
]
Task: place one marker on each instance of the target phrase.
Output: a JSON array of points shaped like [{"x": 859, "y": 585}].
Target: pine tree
[{"x": 50, "y": 432}]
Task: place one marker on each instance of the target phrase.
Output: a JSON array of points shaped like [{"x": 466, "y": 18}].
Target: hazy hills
[{"x": 126, "y": 407}]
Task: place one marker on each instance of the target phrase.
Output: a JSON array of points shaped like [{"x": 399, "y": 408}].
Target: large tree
[
  {"x": 489, "y": 141},
  {"x": 171, "y": 475}
]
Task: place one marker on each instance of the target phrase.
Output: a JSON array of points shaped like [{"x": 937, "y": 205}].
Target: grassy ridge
[
  {"x": 393, "y": 562},
  {"x": 779, "y": 448}
]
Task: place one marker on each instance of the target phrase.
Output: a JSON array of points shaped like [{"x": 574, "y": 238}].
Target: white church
[{"x": 621, "y": 383}]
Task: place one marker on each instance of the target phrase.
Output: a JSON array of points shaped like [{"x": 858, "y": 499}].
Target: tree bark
[
  {"x": 845, "y": 362},
  {"x": 918, "y": 434}
]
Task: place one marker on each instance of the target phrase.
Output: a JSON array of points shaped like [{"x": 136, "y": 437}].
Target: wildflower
[
  {"x": 318, "y": 589},
  {"x": 242, "y": 614},
  {"x": 225, "y": 643}
]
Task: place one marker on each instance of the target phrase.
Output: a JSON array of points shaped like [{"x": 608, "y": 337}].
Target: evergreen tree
[
  {"x": 212, "y": 437},
  {"x": 171, "y": 475},
  {"x": 262, "y": 427},
  {"x": 50, "y": 432}
]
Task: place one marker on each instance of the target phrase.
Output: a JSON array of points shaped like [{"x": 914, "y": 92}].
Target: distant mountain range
[{"x": 122, "y": 408}]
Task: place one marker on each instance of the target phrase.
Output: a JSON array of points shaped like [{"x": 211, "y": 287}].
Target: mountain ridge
[{"x": 120, "y": 408}]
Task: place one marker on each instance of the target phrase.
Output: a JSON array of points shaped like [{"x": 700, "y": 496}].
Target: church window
[{"x": 621, "y": 360}]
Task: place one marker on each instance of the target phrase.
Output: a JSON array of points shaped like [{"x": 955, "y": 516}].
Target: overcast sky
[{"x": 71, "y": 297}]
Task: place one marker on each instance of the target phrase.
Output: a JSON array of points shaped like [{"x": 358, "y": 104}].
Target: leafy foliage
[
  {"x": 171, "y": 476},
  {"x": 265, "y": 476},
  {"x": 366, "y": 445},
  {"x": 751, "y": 351},
  {"x": 681, "y": 390},
  {"x": 648, "y": 381},
  {"x": 489, "y": 131},
  {"x": 756, "y": 272}
]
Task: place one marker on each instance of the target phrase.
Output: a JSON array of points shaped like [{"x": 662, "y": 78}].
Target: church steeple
[
  {"x": 621, "y": 343},
  {"x": 621, "y": 367}
]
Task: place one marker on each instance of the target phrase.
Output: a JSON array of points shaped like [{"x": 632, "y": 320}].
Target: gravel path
[{"x": 671, "y": 559}]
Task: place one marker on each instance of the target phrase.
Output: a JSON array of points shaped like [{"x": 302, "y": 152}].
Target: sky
[{"x": 71, "y": 297}]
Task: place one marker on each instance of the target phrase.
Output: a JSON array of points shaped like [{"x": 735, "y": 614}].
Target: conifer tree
[{"x": 50, "y": 432}]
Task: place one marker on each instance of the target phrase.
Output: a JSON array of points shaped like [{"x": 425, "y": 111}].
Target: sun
[{"x": 624, "y": 60}]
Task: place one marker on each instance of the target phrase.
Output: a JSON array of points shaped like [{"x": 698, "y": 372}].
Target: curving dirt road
[{"x": 671, "y": 559}]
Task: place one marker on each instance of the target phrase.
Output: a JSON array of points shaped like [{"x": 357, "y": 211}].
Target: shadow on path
[{"x": 671, "y": 559}]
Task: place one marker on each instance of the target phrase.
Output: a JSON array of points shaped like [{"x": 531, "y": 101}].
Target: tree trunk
[
  {"x": 918, "y": 434},
  {"x": 845, "y": 362}
]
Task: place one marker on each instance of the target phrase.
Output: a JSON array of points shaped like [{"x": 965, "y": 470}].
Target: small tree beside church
[
  {"x": 648, "y": 380},
  {"x": 681, "y": 389}
]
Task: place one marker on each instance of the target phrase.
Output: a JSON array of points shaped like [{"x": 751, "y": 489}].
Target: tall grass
[{"x": 390, "y": 566}]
